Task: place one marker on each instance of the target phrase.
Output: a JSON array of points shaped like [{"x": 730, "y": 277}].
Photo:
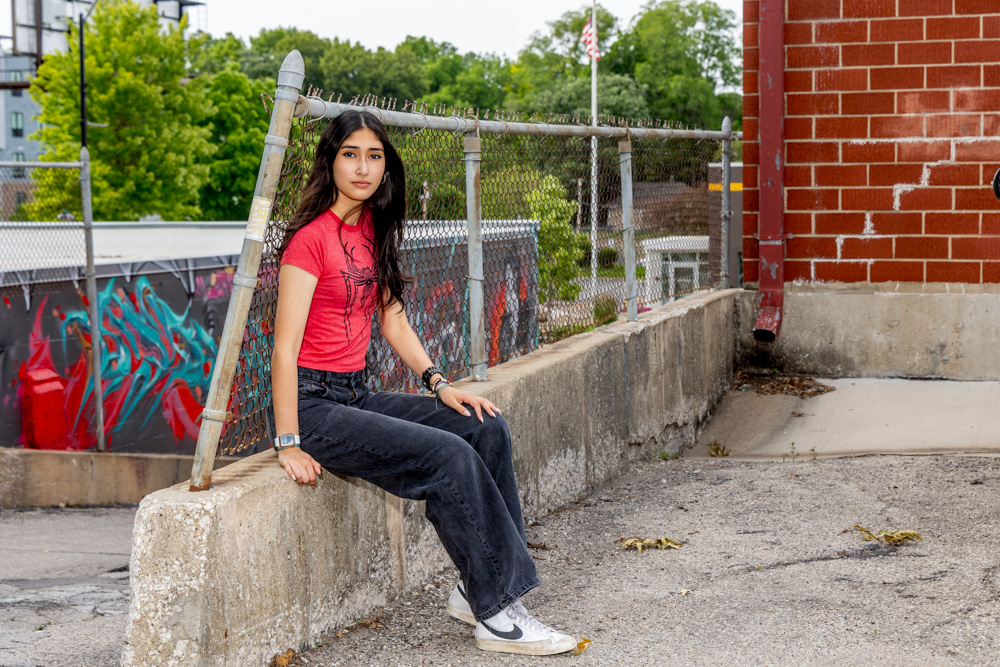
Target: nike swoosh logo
[{"x": 505, "y": 634}]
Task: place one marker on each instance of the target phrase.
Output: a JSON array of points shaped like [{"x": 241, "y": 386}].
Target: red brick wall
[{"x": 892, "y": 134}]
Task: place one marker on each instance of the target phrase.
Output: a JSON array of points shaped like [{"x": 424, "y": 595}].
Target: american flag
[{"x": 590, "y": 39}]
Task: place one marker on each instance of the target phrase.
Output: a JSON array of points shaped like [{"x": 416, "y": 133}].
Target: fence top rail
[
  {"x": 314, "y": 107},
  {"x": 40, "y": 165}
]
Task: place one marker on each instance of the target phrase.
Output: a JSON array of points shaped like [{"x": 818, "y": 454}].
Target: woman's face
[{"x": 359, "y": 166}]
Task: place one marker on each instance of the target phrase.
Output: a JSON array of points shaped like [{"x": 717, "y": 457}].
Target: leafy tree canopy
[{"x": 153, "y": 155}]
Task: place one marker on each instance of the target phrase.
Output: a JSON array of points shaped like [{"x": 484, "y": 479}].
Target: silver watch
[{"x": 286, "y": 440}]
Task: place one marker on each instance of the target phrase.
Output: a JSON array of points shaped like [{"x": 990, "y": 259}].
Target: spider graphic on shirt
[{"x": 361, "y": 283}]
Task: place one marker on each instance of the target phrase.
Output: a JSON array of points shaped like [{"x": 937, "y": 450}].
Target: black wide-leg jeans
[{"x": 415, "y": 447}]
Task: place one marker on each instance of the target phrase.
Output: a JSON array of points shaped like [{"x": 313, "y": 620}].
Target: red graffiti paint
[
  {"x": 182, "y": 411},
  {"x": 496, "y": 319},
  {"x": 43, "y": 396}
]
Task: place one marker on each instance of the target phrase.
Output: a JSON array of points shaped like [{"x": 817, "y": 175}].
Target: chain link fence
[
  {"x": 42, "y": 242},
  {"x": 552, "y": 262},
  {"x": 39, "y": 245}
]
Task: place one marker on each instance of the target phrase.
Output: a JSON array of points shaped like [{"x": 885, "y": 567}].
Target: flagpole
[{"x": 593, "y": 153}]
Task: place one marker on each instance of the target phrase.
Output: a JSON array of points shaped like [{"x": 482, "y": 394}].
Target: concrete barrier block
[
  {"x": 257, "y": 565},
  {"x": 679, "y": 364},
  {"x": 932, "y": 330}
]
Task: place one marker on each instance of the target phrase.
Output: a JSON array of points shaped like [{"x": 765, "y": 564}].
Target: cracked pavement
[
  {"x": 766, "y": 574},
  {"x": 63, "y": 586}
]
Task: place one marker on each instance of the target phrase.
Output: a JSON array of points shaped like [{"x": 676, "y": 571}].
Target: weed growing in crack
[
  {"x": 792, "y": 454},
  {"x": 715, "y": 449}
]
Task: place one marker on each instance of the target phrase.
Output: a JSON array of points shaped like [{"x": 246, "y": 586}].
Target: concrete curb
[{"x": 257, "y": 565}]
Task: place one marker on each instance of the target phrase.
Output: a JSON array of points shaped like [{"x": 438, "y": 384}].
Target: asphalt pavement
[
  {"x": 770, "y": 571},
  {"x": 63, "y": 585}
]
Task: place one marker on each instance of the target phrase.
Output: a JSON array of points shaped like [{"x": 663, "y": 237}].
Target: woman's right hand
[{"x": 301, "y": 467}]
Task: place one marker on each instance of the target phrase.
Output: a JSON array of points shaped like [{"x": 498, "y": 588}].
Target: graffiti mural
[
  {"x": 160, "y": 323},
  {"x": 158, "y": 345}
]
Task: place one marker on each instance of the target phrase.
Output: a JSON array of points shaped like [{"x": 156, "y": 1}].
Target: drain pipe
[{"x": 771, "y": 227}]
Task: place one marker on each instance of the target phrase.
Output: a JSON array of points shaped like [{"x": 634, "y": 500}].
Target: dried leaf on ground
[
  {"x": 542, "y": 546},
  {"x": 639, "y": 544},
  {"x": 285, "y": 659},
  {"x": 582, "y": 646},
  {"x": 374, "y": 623},
  {"x": 802, "y": 387},
  {"x": 895, "y": 537},
  {"x": 900, "y": 536}
]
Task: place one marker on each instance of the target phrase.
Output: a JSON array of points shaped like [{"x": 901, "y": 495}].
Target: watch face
[{"x": 286, "y": 440}]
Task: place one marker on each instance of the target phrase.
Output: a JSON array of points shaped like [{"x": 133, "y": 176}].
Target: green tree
[
  {"x": 617, "y": 95},
  {"x": 208, "y": 55},
  {"x": 686, "y": 54},
  {"x": 558, "y": 54},
  {"x": 238, "y": 126},
  {"x": 558, "y": 252},
  {"x": 269, "y": 48},
  {"x": 151, "y": 157},
  {"x": 354, "y": 70}
]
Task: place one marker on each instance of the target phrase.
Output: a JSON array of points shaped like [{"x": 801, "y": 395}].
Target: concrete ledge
[
  {"x": 257, "y": 565},
  {"x": 40, "y": 478},
  {"x": 907, "y": 330}
]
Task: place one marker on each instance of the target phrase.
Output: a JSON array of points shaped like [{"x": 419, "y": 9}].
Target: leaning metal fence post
[
  {"x": 727, "y": 214},
  {"x": 214, "y": 416},
  {"x": 474, "y": 207},
  {"x": 628, "y": 231},
  {"x": 93, "y": 311}
]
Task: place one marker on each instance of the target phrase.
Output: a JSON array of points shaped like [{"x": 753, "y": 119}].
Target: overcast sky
[
  {"x": 482, "y": 26},
  {"x": 488, "y": 26}
]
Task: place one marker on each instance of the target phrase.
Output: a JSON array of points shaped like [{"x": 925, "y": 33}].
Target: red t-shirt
[{"x": 339, "y": 326}]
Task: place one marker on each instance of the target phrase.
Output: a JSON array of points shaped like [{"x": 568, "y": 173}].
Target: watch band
[{"x": 286, "y": 441}]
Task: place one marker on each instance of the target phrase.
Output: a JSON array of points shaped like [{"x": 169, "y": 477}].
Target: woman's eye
[
  {"x": 375, "y": 156},
  {"x": 348, "y": 154}
]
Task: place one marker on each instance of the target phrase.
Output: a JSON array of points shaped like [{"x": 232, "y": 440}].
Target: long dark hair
[{"x": 387, "y": 205}]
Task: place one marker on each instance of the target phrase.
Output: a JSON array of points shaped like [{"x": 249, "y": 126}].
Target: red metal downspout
[{"x": 771, "y": 225}]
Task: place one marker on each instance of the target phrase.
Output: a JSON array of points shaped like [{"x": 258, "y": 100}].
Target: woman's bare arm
[
  {"x": 295, "y": 292},
  {"x": 399, "y": 334}
]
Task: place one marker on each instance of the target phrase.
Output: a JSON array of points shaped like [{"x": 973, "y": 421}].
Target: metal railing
[
  {"x": 51, "y": 250},
  {"x": 509, "y": 240}
]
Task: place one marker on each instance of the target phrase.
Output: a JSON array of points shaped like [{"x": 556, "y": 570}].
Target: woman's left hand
[{"x": 457, "y": 400}]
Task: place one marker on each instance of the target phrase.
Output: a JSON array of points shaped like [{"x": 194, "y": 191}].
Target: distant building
[
  {"x": 18, "y": 112},
  {"x": 17, "y": 122}
]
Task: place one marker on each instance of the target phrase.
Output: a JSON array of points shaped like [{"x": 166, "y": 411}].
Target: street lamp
[{"x": 83, "y": 78}]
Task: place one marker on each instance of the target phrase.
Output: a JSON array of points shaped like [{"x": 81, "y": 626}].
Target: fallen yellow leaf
[
  {"x": 285, "y": 659},
  {"x": 639, "y": 544},
  {"x": 893, "y": 538},
  {"x": 900, "y": 536},
  {"x": 582, "y": 646}
]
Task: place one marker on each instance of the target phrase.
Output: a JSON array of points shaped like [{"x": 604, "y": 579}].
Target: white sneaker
[
  {"x": 515, "y": 631},
  {"x": 458, "y": 605}
]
